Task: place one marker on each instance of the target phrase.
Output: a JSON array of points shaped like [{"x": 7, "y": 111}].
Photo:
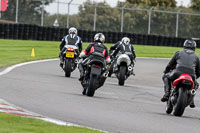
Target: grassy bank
[
  {"x": 17, "y": 51},
  {"x": 16, "y": 124}
]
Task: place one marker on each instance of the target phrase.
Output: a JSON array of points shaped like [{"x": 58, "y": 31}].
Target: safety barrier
[{"x": 34, "y": 32}]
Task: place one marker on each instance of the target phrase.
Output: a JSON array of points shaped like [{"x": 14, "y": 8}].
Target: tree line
[{"x": 109, "y": 19}]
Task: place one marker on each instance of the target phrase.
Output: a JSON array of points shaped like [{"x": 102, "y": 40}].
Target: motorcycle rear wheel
[
  {"x": 122, "y": 74},
  {"x": 68, "y": 67},
  {"x": 180, "y": 105},
  {"x": 92, "y": 86}
]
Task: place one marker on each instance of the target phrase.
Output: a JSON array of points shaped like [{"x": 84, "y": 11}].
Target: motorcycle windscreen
[{"x": 96, "y": 70}]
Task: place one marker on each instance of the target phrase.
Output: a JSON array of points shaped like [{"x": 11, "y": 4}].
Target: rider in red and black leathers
[
  {"x": 184, "y": 61},
  {"x": 97, "y": 47}
]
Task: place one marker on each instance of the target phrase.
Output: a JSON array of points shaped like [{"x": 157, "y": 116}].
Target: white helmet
[
  {"x": 72, "y": 30},
  {"x": 99, "y": 37},
  {"x": 126, "y": 40}
]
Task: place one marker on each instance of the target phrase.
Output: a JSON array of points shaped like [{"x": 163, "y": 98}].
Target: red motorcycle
[{"x": 181, "y": 95}]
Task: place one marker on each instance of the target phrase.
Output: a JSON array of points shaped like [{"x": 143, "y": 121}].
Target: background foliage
[{"x": 109, "y": 19}]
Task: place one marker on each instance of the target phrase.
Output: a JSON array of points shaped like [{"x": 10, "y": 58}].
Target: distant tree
[
  {"x": 29, "y": 11},
  {"x": 195, "y": 4},
  {"x": 156, "y": 3},
  {"x": 107, "y": 19},
  {"x": 193, "y": 21},
  {"x": 137, "y": 20}
]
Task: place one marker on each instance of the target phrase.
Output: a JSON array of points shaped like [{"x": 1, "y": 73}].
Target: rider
[
  {"x": 71, "y": 39},
  {"x": 96, "y": 47},
  {"x": 184, "y": 61},
  {"x": 124, "y": 47}
]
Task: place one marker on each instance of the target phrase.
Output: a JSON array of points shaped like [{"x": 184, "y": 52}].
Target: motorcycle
[
  {"x": 181, "y": 95},
  {"x": 94, "y": 76},
  {"x": 70, "y": 59},
  {"x": 123, "y": 68}
]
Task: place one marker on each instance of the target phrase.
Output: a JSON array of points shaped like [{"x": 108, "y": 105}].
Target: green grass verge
[
  {"x": 17, "y": 124},
  {"x": 17, "y": 51}
]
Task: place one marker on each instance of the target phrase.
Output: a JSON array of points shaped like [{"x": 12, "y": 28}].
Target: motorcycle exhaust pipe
[
  {"x": 193, "y": 92},
  {"x": 130, "y": 68}
]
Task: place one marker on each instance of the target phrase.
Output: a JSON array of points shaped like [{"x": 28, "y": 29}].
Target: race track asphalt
[{"x": 133, "y": 108}]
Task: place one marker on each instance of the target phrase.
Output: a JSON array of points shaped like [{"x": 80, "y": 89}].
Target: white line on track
[
  {"x": 7, "y": 70},
  {"x": 11, "y": 106}
]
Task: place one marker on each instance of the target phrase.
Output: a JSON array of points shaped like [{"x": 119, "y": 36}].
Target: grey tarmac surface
[
  {"x": 1, "y": 69},
  {"x": 133, "y": 108}
]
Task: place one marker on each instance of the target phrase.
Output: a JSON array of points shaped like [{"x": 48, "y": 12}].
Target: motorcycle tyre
[
  {"x": 122, "y": 73},
  {"x": 68, "y": 67},
  {"x": 91, "y": 86},
  {"x": 180, "y": 105}
]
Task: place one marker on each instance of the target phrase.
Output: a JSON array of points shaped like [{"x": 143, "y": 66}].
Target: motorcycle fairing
[
  {"x": 123, "y": 58},
  {"x": 70, "y": 46}
]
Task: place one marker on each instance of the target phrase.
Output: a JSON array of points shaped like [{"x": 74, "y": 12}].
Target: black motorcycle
[
  {"x": 95, "y": 74},
  {"x": 70, "y": 59}
]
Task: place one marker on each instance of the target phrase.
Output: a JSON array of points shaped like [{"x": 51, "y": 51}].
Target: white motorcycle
[{"x": 123, "y": 68}]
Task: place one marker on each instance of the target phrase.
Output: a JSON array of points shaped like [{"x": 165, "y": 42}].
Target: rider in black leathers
[
  {"x": 71, "y": 39},
  {"x": 184, "y": 61},
  {"x": 124, "y": 47},
  {"x": 112, "y": 48},
  {"x": 97, "y": 47}
]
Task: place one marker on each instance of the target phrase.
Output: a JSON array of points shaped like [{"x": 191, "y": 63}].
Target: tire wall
[{"x": 34, "y": 32}]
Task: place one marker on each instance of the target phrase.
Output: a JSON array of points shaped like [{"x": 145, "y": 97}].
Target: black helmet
[{"x": 190, "y": 44}]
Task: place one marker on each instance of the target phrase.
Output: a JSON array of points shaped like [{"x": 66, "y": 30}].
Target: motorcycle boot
[
  {"x": 61, "y": 62},
  {"x": 132, "y": 69},
  {"x": 81, "y": 76},
  {"x": 192, "y": 105},
  {"x": 80, "y": 67},
  {"x": 61, "y": 59},
  {"x": 167, "y": 88}
]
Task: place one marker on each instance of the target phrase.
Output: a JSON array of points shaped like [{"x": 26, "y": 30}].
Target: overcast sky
[{"x": 52, "y": 8}]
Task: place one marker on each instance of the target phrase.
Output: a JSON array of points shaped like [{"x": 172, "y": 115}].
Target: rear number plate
[{"x": 70, "y": 54}]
